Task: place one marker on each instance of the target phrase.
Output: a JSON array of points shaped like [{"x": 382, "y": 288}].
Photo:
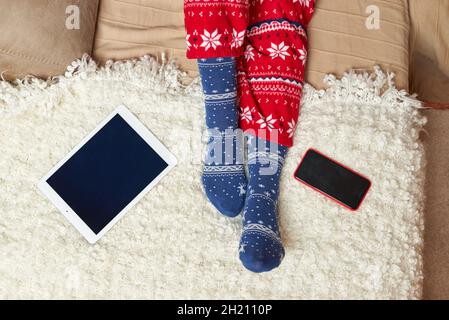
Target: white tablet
[{"x": 107, "y": 173}]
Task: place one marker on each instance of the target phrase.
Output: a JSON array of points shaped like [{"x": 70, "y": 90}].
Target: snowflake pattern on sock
[
  {"x": 261, "y": 247},
  {"x": 223, "y": 177}
]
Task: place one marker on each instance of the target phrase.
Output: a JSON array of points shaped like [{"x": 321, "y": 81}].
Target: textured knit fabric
[
  {"x": 271, "y": 73},
  {"x": 261, "y": 248},
  {"x": 271, "y": 69},
  {"x": 224, "y": 178},
  {"x": 215, "y": 28}
]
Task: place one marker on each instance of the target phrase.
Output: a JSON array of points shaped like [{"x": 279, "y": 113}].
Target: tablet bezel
[{"x": 67, "y": 211}]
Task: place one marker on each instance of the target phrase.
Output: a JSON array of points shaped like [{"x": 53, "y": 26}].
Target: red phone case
[{"x": 325, "y": 194}]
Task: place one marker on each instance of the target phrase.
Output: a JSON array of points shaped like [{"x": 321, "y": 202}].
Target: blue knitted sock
[
  {"x": 223, "y": 178},
  {"x": 261, "y": 248}
]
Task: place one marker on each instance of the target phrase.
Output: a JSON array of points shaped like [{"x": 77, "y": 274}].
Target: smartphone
[{"x": 332, "y": 179}]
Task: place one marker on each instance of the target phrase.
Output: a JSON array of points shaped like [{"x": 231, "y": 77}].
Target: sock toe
[
  {"x": 258, "y": 263},
  {"x": 262, "y": 255}
]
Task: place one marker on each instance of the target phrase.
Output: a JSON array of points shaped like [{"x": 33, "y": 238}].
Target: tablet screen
[{"x": 107, "y": 173}]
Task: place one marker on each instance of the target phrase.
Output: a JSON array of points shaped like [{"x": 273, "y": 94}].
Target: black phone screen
[{"x": 333, "y": 179}]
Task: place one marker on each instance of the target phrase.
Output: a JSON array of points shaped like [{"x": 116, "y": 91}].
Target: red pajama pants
[{"x": 269, "y": 40}]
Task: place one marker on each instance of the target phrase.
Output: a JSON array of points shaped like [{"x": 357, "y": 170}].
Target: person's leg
[
  {"x": 261, "y": 248},
  {"x": 270, "y": 78},
  {"x": 215, "y": 34},
  {"x": 271, "y": 70},
  {"x": 224, "y": 177}
]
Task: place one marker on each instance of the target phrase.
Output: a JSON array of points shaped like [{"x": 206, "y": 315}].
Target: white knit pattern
[
  {"x": 173, "y": 244},
  {"x": 262, "y": 230}
]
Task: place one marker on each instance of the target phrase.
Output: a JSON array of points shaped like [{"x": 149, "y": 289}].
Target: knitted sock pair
[{"x": 224, "y": 178}]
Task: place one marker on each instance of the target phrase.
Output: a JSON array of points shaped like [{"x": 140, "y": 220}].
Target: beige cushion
[
  {"x": 34, "y": 38},
  {"x": 132, "y": 28},
  {"x": 430, "y": 49},
  {"x": 339, "y": 38}
]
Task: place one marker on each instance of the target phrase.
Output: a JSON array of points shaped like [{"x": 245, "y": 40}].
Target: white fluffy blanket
[{"x": 173, "y": 244}]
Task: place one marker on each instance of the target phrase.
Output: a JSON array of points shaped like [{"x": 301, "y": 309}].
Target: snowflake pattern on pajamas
[
  {"x": 270, "y": 41},
  {"x": 215, "y": 28}
]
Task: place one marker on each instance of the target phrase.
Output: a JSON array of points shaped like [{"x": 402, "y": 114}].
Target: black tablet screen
[{"x": 107, "y": 173}]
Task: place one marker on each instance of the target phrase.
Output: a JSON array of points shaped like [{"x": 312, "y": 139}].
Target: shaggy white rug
[{"x": 173, "y": 244}]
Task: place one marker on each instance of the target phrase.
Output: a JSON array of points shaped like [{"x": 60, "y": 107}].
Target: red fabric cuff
[{"x": 215, "y": 28}]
